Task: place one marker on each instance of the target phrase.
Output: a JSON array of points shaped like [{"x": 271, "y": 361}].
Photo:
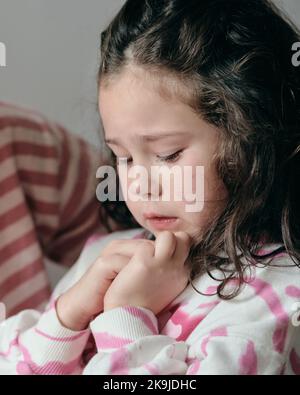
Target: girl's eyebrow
[{"x": 149, "y": 137}]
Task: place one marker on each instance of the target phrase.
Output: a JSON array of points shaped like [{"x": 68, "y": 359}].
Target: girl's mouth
[{"x": 163, "y": 222}]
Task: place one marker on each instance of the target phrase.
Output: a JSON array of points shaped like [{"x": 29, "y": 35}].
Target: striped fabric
[{"x": 48, "y": 205}]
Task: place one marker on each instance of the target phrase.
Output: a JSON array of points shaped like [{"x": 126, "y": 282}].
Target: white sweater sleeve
[
  {"x": 128, "y": 343},
  {"x": 35, "y": 343}
]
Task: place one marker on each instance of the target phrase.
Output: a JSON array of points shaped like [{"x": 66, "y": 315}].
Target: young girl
[{"x": 216, "y": 291}]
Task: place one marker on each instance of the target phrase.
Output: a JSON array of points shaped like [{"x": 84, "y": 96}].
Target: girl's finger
[
  {"x": 124, "y": 247},
  {"x": 145, "y": 248},
  {"x": 116, "y": 263},
  {"x": 165, "y": 245}
]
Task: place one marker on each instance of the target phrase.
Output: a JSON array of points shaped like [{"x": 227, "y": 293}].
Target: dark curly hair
[{"x": 232, "y": 60}]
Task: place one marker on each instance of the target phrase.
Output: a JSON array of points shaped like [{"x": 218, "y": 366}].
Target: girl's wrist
[{"x": 71, "y": 318}]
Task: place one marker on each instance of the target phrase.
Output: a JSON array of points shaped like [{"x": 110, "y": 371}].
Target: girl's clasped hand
[{"x": 140, "y": 272}]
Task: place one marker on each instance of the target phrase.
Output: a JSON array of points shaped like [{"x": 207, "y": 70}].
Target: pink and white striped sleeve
[
  {"x": 128, "y": 343},
  {"x": 35, "y": 343}
]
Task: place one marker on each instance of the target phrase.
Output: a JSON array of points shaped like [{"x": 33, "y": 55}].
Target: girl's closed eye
[
  {"x": 172, "y": 157},
  {"x": 169, "y": 158}
]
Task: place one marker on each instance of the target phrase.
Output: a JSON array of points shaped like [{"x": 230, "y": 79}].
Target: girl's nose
[{"x": 149, "y": 184}]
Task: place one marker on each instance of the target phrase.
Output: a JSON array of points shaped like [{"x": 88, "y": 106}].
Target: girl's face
[{"x": 144, "y": 127}]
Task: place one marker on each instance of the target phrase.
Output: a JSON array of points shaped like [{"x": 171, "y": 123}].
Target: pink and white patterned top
[{"x": 256, "y": 333}]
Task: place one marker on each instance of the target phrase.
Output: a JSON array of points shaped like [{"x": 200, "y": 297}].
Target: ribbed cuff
[
  {"x": 123, "y": 325},
  {"x": 50, "y": 348}
]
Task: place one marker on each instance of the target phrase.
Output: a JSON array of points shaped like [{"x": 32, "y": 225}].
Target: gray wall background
[{"x": 52, "y": 57}]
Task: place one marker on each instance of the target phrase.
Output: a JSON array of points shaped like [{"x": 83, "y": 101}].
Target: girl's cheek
[
  {"x": 202, "y": 181},
  {"x": 193, "y": 177}
]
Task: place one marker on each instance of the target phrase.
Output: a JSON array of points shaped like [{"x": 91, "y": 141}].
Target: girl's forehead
[
  {"x": 133, "y": 107},
  {"x": 147, "y": 138},
  {"x": 151, "y": 81}
]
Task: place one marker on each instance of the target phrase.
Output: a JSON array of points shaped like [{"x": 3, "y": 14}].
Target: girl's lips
[{"x": 163, "y": 222}]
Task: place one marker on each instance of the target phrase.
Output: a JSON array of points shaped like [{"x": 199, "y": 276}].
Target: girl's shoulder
[
  {"x": 276, "y": 277},
  {"x": 277, "y": 260},
  {"x": 265, "y": 310}
]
